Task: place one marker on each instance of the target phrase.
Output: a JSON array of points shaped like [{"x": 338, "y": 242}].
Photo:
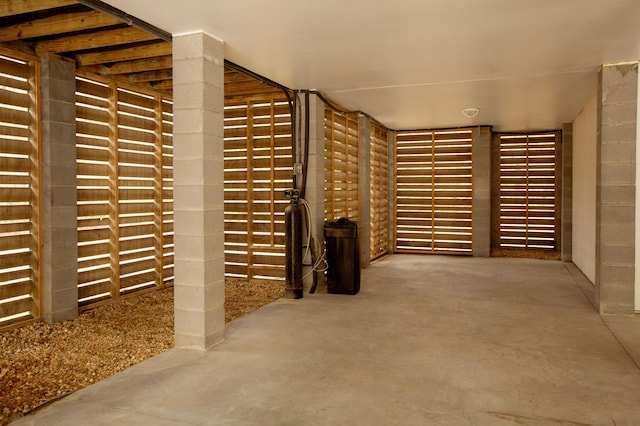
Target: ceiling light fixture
[{"x": 470, "y": 112}]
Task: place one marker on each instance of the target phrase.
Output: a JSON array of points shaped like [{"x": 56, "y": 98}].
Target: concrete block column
[
  {"x": 198, "y": 89},
  {"x": 364, "y": 161},
  {"x": 315, "y": 178},
  {"x": 59, "y": 193},
  {"x": 482, "y": 191},
  {"x": 566, "y": 227},
  {"x": 615, "y": 189}
]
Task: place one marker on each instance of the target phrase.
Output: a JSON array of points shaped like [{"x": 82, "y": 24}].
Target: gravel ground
[{"x": 42, "y": 362}]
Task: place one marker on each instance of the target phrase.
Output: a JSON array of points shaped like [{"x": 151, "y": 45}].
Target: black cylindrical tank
[{"x": 293, "y": 217}]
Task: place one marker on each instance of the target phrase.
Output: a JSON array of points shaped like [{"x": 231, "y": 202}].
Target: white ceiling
[{"x": 526, "y": 64}]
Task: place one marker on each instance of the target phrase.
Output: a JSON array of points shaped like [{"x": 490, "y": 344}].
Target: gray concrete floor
[{"x": 429, "y": 340}]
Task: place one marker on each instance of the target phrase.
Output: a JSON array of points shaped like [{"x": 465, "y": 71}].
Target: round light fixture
[{"x": 470, "y": 112}]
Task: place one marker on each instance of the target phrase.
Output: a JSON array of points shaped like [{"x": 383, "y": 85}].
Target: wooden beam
[
  {"x": 140, "y": 65},
  {"x": 127, "y": 54},
  {"x": 157, "y": 75},
  {"x": 94, "y": 40},
  {"x": 57, "y": 24},
  {"x": 162, "y": 85},
  {"x": 17, "y": 7}
]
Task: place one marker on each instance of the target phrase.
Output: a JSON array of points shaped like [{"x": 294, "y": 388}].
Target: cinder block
[
  {"x": 57, "y": 112},
  {"x": 191, "y": 172},
  {"x": 617, "y": 254},
  {"x": 618, "y": 153},
  {"x": 188, "y": 146},
  {"x": 197, "y": 45},
  {"x": 64, "y": 299},
  {"x": 617, "y": 298},
  {"x": 198, "y": 246},
  {"x": 61, "y": 315},
  {"x": 186, "y": 119},
  {"x": 204, "y": 297},
  {"x": 189, "y": 322},
  {"x": 195, "y": 222},
  {"x": 617, "y": 114},
  {"x": 615, "y": 234},
  {"x": 198, "y": 271},
  {"x": 60, "y": 175},
  {"x": 617, "y": 174},
  {"x": 193, "y": 196},
  {"x": 62, "y": 217},
  {"x": 59, "y": 133},
  {"x": 64, "y": 197},
  {"x": 206, "y": 324},
  {"x": 619, "y": 74},
  {"x": 203, "y": 94},
  {"x": 60, "y": 238},
  {"x": 620, "y": 133},
  {"x": 617, "y": 274},
  {"x": 617, "y": 199},
  {"x": 64, "y": 259},
  {"x": 619, "y": 94}
]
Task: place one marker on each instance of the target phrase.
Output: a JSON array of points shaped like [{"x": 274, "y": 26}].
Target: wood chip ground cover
[{"x": 42, "y": 362}]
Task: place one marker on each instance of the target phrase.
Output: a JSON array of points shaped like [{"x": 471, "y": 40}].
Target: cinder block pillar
[
  {"x": 482, "y": 191},
  {"x": 364, "y": 224},
  {"x": 615, "y": 189},
  {"x": 566, "y": 227},
  {"x": 314, "y": 193},
  {"x": 59, "y": 193},
  {"x": 198, "y": 91}
]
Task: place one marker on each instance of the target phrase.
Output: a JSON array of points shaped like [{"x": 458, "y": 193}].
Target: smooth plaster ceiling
[{"x": 526, "y": 64}]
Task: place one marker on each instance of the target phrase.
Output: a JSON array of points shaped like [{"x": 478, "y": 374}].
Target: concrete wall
[{"x": 584, "y": 189}]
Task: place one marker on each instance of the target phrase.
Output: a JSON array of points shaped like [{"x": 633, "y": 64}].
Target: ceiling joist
[
  {"x": 156, "y": 75},
  {"x": 94, "y": 40},
  {"x": 140, "y": 65},
  {"x": 57, "y": 24},
  {"x": 19, "y": 7},
  {"x": 105, "y": 41},
  {"x": 127, "y": 54}
]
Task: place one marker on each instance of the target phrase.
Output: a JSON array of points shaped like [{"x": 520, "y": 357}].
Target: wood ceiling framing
[
  {"x": 104, "y": 41},
  {"x": 101, "y": 43}
]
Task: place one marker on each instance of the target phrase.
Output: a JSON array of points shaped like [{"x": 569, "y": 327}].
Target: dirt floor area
[{"x": 42, "y": 362}]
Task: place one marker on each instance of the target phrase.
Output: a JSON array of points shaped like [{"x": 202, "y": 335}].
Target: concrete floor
[{"x": 429, "y": 340}]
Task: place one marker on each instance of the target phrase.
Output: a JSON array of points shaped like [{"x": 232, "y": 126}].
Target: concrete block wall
[
  {"x": 198, "y": 87},
  {"x": 615, "y": 189},
  {"x": 364, "y": 161},
  {"x": 566, "y": 230},
  {"x": 59, "y": 193},
  {"x": 482, "y": 191},
  {"x": 315, "y": 179}
]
